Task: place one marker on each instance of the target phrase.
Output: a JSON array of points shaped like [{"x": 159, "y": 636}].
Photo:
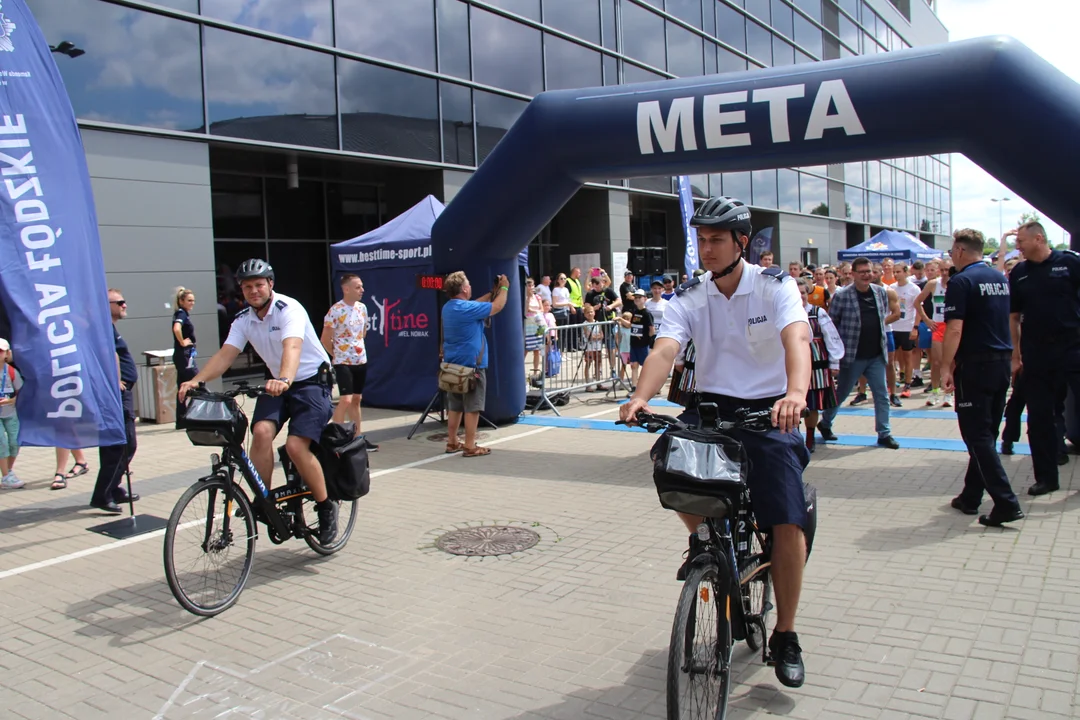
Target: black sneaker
[
  {"x": 696, "y": 548},
  {"x": 328, "y": 514},
  {"x": 1006, "y": 447},
  {"x": 888, "y": 442},
  {"x": 1062, "y": 459},
  {"x": 958, "y": 504},
  {"x": 895, "y": 401},
  {"x": 787, "y": 658},
  {"x": 997, "y": 519},
  {"x": 916, "y": 382},
  {"x": 826, "y": 433},
  {"x": 371, "y": 447},
  {"x": 860, "y": 398}
]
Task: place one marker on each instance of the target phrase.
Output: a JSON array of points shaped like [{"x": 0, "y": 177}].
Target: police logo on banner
[{"x": 6, "y": 26}]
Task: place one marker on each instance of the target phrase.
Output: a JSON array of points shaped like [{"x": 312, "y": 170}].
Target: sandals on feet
[
  {"x": 77, "y": 470},
  {"x": 59, "y": 482},
  {"x": 452, "y": 448},
  {"x": 476, "y": 451}
]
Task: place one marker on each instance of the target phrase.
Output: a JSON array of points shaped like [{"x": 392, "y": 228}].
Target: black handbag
[
  {"x": 344, "y": 460},
  {"x": 213, "y": 419},
  {"x": 695, "y": 472}
]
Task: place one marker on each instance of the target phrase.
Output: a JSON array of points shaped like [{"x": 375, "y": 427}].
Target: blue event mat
[{"x": 906, "y": 443}]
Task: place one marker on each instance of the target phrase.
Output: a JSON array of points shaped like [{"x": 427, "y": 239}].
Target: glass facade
[{"x": 441, "y": 81}]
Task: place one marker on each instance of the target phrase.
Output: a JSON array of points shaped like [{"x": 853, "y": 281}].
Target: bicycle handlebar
[
  {"x": 744, "y": 420},
  {"x": 252, "y": 391}
]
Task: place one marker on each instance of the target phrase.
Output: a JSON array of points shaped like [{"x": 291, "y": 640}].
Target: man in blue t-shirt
[{"x": 463, "y": 321}]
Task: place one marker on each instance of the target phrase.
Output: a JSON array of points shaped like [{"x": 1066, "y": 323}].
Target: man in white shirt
[
  {"x": 656, "y": 305},
  {"x": 752, "y": 339},
  {"x": 904, "y": 333},
  {"x": 344, "y": 330},
  {"x": 544, "y": 289},
  {"x": 281, "y": 333}
]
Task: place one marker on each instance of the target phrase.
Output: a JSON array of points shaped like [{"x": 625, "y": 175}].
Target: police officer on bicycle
[
  {"x": 752, "y": 339},
  {"x": 280, "y": 331}
]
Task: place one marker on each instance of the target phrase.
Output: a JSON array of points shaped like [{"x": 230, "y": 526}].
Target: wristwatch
[{"x": 285, "y": 380}]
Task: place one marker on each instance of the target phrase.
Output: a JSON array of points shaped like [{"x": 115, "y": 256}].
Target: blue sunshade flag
[{"x": 52, "y": 276}]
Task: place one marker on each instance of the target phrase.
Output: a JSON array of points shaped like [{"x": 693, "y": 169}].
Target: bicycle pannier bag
[
  {"x": 213, "y": 420},
  {"x": 344, "y": 461},
  {"x": 454, "y": 378},
  {"x": 693, "y": 471}
]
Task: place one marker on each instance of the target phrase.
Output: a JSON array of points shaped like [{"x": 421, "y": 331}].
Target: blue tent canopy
[
  {"x": 409, "y": 232},
  {"x": 890, "y": 244}
]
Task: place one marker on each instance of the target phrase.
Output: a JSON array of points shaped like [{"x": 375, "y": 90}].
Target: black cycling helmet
[
  {"x": 727, "y": 214},
  {"x": 254, "y": 268},
  {"x": 723, "y": 212}
]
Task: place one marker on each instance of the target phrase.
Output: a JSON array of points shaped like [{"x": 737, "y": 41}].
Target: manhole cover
[{"x": 487, "y": 540}]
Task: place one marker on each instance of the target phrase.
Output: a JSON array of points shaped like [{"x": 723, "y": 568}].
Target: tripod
[{"x": 438, "y": 405}]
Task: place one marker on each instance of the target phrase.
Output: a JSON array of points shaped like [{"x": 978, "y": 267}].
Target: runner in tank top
[{"x": 935, "y": 291}]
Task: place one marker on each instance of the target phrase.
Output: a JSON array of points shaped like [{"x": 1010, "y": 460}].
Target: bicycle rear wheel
[
  {"x": 699, "y": 657},
  {"x": 756, "y": 589},
  {"x": 209, "y": 544},
  {"x": 346, "y": 522}
]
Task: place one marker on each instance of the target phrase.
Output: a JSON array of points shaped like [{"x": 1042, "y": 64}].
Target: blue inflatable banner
[
  {"x": 686, "y": 204},
  {"x": 52, "y": 277}
]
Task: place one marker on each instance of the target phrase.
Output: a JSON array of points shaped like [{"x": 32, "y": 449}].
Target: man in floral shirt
[{"x": 344, "y": 328}]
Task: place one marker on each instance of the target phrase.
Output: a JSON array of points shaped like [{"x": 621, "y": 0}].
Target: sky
[{"x": 1049, "y": 28}]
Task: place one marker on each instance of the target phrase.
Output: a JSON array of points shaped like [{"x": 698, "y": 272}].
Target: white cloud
[{"x": 1046, "y": 26}]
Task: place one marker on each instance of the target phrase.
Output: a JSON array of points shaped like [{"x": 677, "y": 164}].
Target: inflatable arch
[{"x": 992, "y": 99}]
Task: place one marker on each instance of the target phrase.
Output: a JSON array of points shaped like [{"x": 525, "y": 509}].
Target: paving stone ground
[{"x": 909, "y": 610}]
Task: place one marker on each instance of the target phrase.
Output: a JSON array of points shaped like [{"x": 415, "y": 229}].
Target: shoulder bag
[{"x": 460, "y": 379}]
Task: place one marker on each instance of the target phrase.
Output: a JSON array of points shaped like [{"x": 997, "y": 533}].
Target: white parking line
[{"x": 159, "y": 533}]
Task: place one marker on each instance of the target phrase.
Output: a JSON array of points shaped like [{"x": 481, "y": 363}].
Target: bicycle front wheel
[
  {"x": 209, "y": 544},
  {"x": 699, "y": 658}
]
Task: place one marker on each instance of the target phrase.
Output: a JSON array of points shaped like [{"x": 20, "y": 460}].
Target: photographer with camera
[
  {"x": 280, "y": 331},
  {"x": 464, "y": 357}
]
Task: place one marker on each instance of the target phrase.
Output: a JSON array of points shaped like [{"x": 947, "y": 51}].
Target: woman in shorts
[{"x": 935, "y": 290}]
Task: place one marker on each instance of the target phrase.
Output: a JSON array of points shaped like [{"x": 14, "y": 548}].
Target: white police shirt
[
  {"x": 739, "y": 352},
  {"x": 286, "y": 318}
]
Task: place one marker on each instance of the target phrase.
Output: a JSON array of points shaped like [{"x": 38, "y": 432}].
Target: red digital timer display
[{"x": 429, "y": 282}]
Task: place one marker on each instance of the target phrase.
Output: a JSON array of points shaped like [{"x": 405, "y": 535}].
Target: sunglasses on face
[{"x": 121, "y": 303}]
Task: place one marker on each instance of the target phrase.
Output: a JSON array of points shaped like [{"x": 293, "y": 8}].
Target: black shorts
[
  {"x": 307, "y": 409},
  {"x": 902, "y": 340},
  {"x": 350, "y": 379},
  {"x": 775, "y": 475}
]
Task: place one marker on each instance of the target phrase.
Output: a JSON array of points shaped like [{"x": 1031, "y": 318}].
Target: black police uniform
[
  {"x": 113, "y": 459},
  {"x": 979, "y": 296},
  {"x": 1047, "y": 295}
]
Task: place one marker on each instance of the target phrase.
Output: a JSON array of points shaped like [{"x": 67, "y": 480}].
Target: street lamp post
[{"x": 1000, "y": 202}]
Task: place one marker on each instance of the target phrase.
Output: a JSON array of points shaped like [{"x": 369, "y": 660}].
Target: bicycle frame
[
  {"x": 235, "y": 458},
  {"x": 731, "y": 547}
]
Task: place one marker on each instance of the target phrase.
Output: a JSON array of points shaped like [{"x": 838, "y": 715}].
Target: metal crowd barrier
[{"x": 587, "y": 360}]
